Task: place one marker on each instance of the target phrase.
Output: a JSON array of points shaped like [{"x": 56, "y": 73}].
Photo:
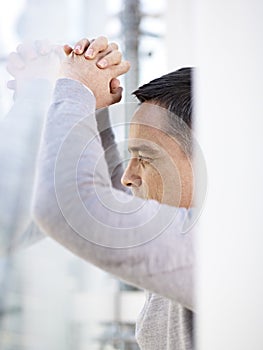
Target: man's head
[{"x": 160, "y": 141}]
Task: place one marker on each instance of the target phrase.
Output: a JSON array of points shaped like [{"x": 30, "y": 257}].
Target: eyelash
[{"x": 144, "y": 160}]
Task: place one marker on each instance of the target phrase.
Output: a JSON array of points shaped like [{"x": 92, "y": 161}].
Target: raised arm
[
  {"x": 35, "y": 68},
  {"x": 111, "y": 57},
  {"x": 138, "y": 241},
  {"x": 20, "y": 133}
]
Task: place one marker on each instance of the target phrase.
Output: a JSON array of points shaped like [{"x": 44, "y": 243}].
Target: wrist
[
  {"x": 78, "y": 92},
  {"x": 66, "y": 78}
]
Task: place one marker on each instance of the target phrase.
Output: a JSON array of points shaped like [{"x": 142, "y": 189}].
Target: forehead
[
  {"x": 150, "y": 114},
  {"x": 147, "y": 131},
  {"x": 148, "y": 121}
]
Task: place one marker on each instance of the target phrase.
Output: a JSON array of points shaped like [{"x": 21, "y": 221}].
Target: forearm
[
  {"x": 111, "y": 152},
  {"x": 138, "y": 241},
  {"x": 20, "y": 133}
]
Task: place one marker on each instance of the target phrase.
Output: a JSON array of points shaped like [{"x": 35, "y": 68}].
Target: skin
[
  {"x": 158, "y": 168},
  {"x": 92, "y": 48},
  {"x": 96, "y": 64}
]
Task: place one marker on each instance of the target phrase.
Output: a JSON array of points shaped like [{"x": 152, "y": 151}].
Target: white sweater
[{"x": 138, "y": 241}]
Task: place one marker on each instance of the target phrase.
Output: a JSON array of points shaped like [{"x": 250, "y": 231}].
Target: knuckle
[
  {"x": 100, "y": 42},
  {"x": 103, "y": 38},
  {"x": 83, "y": 42},
  {"x": 118, "y": 55},
  {"x": 115, "y": 58},
  {"x": 94, "y": 45},
  {"x": 114, "y": 46}
]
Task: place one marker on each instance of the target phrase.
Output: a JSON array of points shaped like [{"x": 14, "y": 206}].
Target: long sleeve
[
  {"x": 138, "y": 241},
  {"x": 20, "y": 133},
  {"x": 111, "y": 152}
]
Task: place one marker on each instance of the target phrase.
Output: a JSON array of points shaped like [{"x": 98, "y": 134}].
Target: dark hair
[{"x": 172, "y": 91}]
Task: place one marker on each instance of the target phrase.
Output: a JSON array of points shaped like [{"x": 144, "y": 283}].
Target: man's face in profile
[{"x": 158, "y": 168}]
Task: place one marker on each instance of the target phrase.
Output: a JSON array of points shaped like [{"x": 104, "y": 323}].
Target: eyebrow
[{"x": 143, "y": 148}]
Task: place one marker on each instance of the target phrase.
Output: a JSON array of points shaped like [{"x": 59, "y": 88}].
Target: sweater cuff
[{"x": 69, "y": 89}]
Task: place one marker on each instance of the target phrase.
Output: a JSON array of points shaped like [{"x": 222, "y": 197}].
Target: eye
[{"x": 144, "y": 160}]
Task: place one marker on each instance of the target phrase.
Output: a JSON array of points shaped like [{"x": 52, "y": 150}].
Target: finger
[
  {"x": 113, "y": 46},
  {"x": 114, "y": 85},
  {"x": 11, "y": 84},
  {"x": 43, "y": 47},
  {"x": 110, "y": 59},
  {"x": 26, "y": 51},
  {"x": 81, "y": 46},
  {"x": 120, "y": 69},
  {"x": 67, "y": 49},
  {"x": 14, "y": 62},
  {"x": 60, "y": 51},
  {"x": 117, "y": 95},
  {"x": 98, "y": 45}
]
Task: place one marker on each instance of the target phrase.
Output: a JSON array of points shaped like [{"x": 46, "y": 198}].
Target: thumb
[
  {"x": 116, "y": 95},
  {"x": 114, "y": 84}
]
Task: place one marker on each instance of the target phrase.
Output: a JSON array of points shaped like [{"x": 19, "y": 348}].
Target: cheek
[
  {"x": 163, "y": 183},
  {"x": 153, "y": 183}
]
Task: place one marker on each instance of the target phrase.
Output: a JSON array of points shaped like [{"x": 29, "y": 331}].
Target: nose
[{"x": 131, "y": 176}]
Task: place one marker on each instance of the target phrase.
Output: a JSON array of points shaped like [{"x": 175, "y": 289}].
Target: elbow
[{"x": 44, "y": 206}]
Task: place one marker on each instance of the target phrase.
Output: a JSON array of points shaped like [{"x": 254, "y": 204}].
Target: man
[
  {"x": 151, "y": 123},
  {"x": 151, "y": 173},
  {"x": 139, "y": 241}
]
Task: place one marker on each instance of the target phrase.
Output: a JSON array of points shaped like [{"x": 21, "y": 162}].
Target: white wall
[
  {"x": 223, "y": 38},
  {"x": 180, "y": 25},
  {"x": 229, "y": 51}
]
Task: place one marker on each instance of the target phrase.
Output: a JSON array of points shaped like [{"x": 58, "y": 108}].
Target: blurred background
[{"x": 50, "y": 299}]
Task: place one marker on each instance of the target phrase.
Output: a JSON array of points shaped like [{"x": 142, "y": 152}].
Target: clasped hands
[{"x": 97, "y": 64}]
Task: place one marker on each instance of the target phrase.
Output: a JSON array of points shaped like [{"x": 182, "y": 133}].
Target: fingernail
[
  {"x": 89, "y": 53},
  {"x": 77, "y": 49},
  {"x": 103, "y": 63}
]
